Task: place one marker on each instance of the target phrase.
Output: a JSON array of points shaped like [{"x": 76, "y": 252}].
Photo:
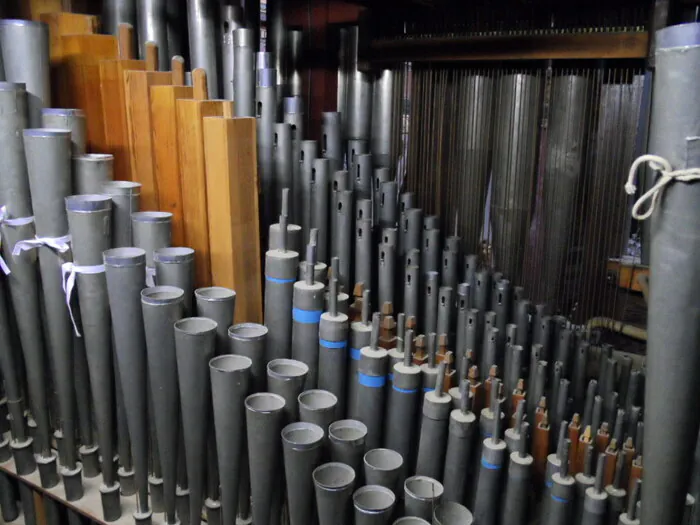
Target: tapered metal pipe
[
  {"x": 244, "y": 72},
  {"x": 487, "y": 496},
  {"x": 332, "y": 139},
  {"x": 411, "y": 520},
  {"x": 431, "y": 292},
  {"x": 24, "y": 46},
  {"x": 195, "y": 345},
  {"x": 460, "y": 438},
  {"x": 372, "y": 371},
  {"x": 347, "y": 442},
  {"x": 115, "y": 12},
  {"x": 422, "y": 495},
  {"x": 383, "y": 466},
  {"x": 373, "y": 504},
  {"x": 285, "y": 377},
  {"x": 23, "y": 279},
  {"x": 302, "y": 445},
  {"x": 151, "y": 230},
  {"x": 264, "y": 422},
  {"x": 382, "y": 117},
  {"x": 359, "y": 118},
  {"x": 250, "y": 340},
  {"x": 230, "y": 383},
  {"x": 334, "y": 484},
  {"x": 48, "y": 167},
  {"x": 175, "y": 267},
  {"x": 201, "y": 23},
  {"x": 219, "y": 305},
  {"x": 295, "y": 43},
  {"x": 152, "y": 26},
  {"x": 318, "y": 407},
  {"x": 360, "y": 336},
  {"x": 91, "y": 172},
  {"x": 87, "y": 215},
  {"x": 518, "y": 483},
  {"x": 126, "y": 197},
  {"x": 451, "y": 513},
  {"x": 433, "y": 430},
  {"x": 162, "y": 306},
  {"x": 71, "y": 119},
  {"x": 231, "y": 19}
]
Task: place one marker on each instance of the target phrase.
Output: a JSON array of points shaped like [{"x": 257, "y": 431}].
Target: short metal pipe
[
  {"x": 74, "y": 121},
  {"x": 201, "y": 23},
  {"x": 373, "y": 504},
  {"x": 302, "y": 447}
]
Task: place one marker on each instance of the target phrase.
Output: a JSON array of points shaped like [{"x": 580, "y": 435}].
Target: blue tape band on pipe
[
  {"x": 332, "y": 344},
  {"x": 405, "y": 390},
  {"x": 355, "y": 354},
  {"x": 427, "y": 389},
  {"x": 559, "y": 499},
  {"x": 372, "y": 381},
  {"x": 279, "y": 281},
  {"x": 306, "y": 316},
  {"x": 489, "y": 466}
]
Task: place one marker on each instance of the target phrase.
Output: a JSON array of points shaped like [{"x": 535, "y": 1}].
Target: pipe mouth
[
  {"x": 373, "y": 498},
  {"x": 423, "y": 488},
  {"x": 214, "y": 294},
  {"x": 302, "y": 435},
  {"x": 293, "y": 105},
  {"x": 46, "y": 132},
  {"x": 63, "y": 112},
  {"x": 264, "y": 402},
  {"x": 680, "y": 35},
  {"x": 87, "y": 203},
  {"x": 123, "y": 257},
  {"x": 151, "y": 216},
  {"x": 348, "y": 430},
  {"x": 243, "y": 37},
  {"x": 95, "y": 157},
  {"x": 173, "y": 255},
  {"x": 121, "y": 187},
  {"x": 334, "y": 476},
  {"x": 195, "y": 325},
  {"x": 13, "y": 86},
  {"x": 287, "y": 368},
  {"x": 230, "y": 363},
  {"x": 247, "y": 331},
  {"x": 411, "y": 520},
  {"x": 162, "y": 295},
  {"x": 383, "y": 459},
  {"x": 451, "y": 513},
  {"x": 317, "y": 400}
]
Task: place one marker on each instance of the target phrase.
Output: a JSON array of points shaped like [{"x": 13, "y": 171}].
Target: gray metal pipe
[
  {"x": 152, "y": 26},
  {"x": 250, "y": 340},
  {"x": 411, "y": 520},
  {"x": 518, "y": 483},
  {"x": 307, "y": 155},
  {"x": 437, "y": 405},
  {"x": 162, "y": 306},
  {"x": 373, "y": 504},
  {"x": 430, "y": 250},
  {"x": 355, "y": 148},
  {"x": 332, "y": 139},
  {"x": 24, "y": 46},
  {"x": 151, "y": 230},
  {"x": 672, "y": 424},
  {"x": 452, "y": 513},
  {"x": 283, "y": 159},
  {"x": 372, "y": 372},
  {"x": 231, "y": 19},
  {"x": 431, "y": 295},
  {"x": 115, "y": 12},
  {"x": 8, "y": 504},
  {"x": 87, "y": 215},
  {"x": 362, "y": 172},
  {"x": 342, "y": 235},
  {"x": 302, "y": 447},
  {"x": 48, "y": 167},
  {"x": 411, "y": 291},
  {"x": 286, "y": 377},
  {"x": 346, "y": 441},
  {"x": 201, "y": 23},
  {"x": 294, "y": 116},
  {"x": 387, "y": 274},
  {"x": 334, "y": 483},
  {"x": 458, "y": 455},
  {"x": 319, "y": 194},
  {"x": 244, "y": 72},
  {"x": 91, "y": 172},
  {"x": 264, "y": 423},
  {"x": 359, "y": 92},
  {"x": 295, "y": 44},
  {"x": 383, "y": 117},
  {"x": 125, "y": 270},
  {"x": 422, "y": 495},
  {"x": 175, "y": 267},
  {"x": 266, "y": 116},
  {"x": 218, "y": 304},
  {"x": 277, "y": 44},
  {"x": 230, "y": 383},
  {"x": 318, "y": 407},
  {"x": 487, "y": 494},
  {"x": 71, "y": 119},
  {"x": 360, "y": 336},
  {"x": 383, "y": 466},
  {"x": 379, "y": 177},
  {"x": 410, "y": 230},
  {"x": 126, "y": 198},
  {"x": 363, "y": 251}
]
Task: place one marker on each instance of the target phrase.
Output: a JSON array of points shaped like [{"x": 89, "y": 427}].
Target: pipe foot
[
  {"x": 24, "y": 457},
  {"x": 143, "y": 518},
  {"x": 32, "y": 431},
  {"x": 213, "y": 511},
  {"x": 5, "y": 451},
  {"x": 73, "y": 482},
  {"x": 155, "y": 487},
  {"x": 48, "y": 470},
  {"x": 126, "y": 481},
  {"x": 90, "y": 458},
  {"x": 111, "y": 506},
  {"x": 182, "y": 505}
]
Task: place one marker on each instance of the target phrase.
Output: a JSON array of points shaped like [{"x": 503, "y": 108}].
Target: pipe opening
[
  {"x": 347, "y": 430},
  {"x": 317, "y": 399},
  {"x": 151, "y": 216},
  {"x": 373, "y": 498},
  {"x": 287, "y": 368},
  {"x": 214, "y": 293},
  {"x": 449, "y": 513},
  {"x": 230, "y": 363},
  {"x": 195, "y": 325},
  {"x": 423, "y": 487},
  {"x": 264, "y": 402},
  {"x": 334, "y": 475},
  {"x": 247, "y": 331},
  {"x": 127, "y": 256},
  {"x": 88, "y": 202},
  {"x": 162, "y": 294},
  {"x": 383, "y": 459},
  {"x": 302, "y": 434},
  {"x": 173, "y": 254}
]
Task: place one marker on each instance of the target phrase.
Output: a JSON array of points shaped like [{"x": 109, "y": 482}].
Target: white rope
[
  {"x": 667, "y": 175},
  {"x": 150, "y": 277},
  {"x": 69, "y": 271},
  {"x": 60, "y": 244},
  {"x": 6, "y": 220}
]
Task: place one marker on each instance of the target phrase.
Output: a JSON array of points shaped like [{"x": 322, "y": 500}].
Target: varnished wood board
[
  {"x": 137, "y": 101},
  {"x": 193, "y": 178},
  {"x": 232, "y": 194},
  {"x": 166, "y": 161}
]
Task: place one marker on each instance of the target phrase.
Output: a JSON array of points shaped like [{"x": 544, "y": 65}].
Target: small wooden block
[
  {"x": 193, "y": 181},
  {"x": 232, "y": 192},
  {"x": 137, "y": 101},
  {"x": 166, "y": 160}
]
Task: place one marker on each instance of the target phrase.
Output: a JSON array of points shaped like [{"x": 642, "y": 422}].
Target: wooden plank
[
  {"x": 509, "y": 47},
  {"x": 83, "y": 54},
  {"x": 166, "y": 160},
  {"x": 627, "y": 273},
  {"x": 114, "y": 113},
  {"x": 232, "y": 194},
  {"x": 190, "y": 135},
  {"x": 33, "y": 9},
  {"x": 137, "y": 101}
]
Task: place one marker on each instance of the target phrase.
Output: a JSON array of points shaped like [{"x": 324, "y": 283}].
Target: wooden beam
[{"x": 509, "y": 47}]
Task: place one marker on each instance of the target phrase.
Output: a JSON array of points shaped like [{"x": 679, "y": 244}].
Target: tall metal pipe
[
  {"x": 373, "y": 504},
  {"x": 152, "y": 26},
  {"x": 218, "y": 304},
  {"x": 283, "y": 163},
  {"x": 286, "y": 377},
  {"x": 307, "y": 156},
  {"x": 91, "y": 172},
  {"x": 201, "y": 23},
  {"x": 266, "y": 116},
  {"x": 295, "y": 44},
  {"x": 318, "y": 407},
  {"x": 162, "y": 306},
  {"x": 48, "y": 166},
  {"x": 515, "y": 153},
  {"x": 87, "y": 216},
  {"x": 359, "y": 108},
  {"x": 372, "y": 372},
  {"x": 231, "y": 19},
  {"x": 671, "y": 423},
  {"x": 334, "y": 483},
  {"x": 383, "y": 118},
  {"x": 250, "y": 340},
  {"x": 434, "y": 426},
  {"x": 422, "y": 494},
  {"x": 347, "y": 442},
  {"x": 175, "y": 267},
  {"x": 460, "y": 439},
  {"x": 294, "y": 116},
  {"x": 332, "y": 139},
  {"x": 244, "y": 72},
  {"x": 115, "y": 12},
  {"x": 301, "y": 443},
  {"x": 277, "y": 44},
  {"x": 195, "y": 345},
  {"x": 126, "y": 197},
  {"x": 24, "y": 46},
  {"x": 125, "y": 271},
  {"x": 230, "y": 384},
  {"x": 23, "y": 279},
  {"x": 151, "y": 230},
  {"x": 264, "y": 422},
  {"x": 319, "y": 194},
  {"x": 363, "y": 252},
  {"x": 70, "y": 119}
]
